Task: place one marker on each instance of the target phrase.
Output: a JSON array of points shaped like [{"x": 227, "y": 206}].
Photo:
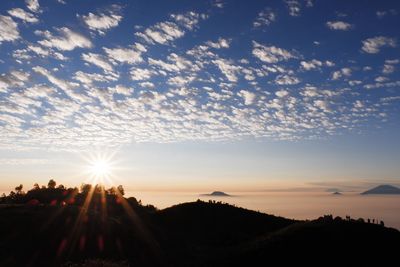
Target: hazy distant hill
[
  {"x": 217, "y": 194},
  {"x": 383, "y": 190},
  {"x": 199, "y": 233}
]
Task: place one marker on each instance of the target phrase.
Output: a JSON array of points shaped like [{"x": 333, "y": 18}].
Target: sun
[{"x": 100, "y": 168}]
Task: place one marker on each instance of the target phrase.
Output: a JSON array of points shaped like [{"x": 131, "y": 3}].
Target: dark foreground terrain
[{"x": 102, "y": 228}]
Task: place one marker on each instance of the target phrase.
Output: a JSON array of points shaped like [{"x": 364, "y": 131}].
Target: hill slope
[{"x": 190, "y": 234}]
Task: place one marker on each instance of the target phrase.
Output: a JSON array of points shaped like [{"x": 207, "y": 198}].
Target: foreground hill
[
  {"x": 94, "y": 226},
  {"x": 190, "y": 234}
]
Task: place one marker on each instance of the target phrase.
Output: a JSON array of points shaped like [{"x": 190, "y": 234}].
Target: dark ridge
[{"x": 49, "y": 226}]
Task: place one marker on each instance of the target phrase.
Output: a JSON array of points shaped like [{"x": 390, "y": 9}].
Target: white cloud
[
  {"x": 33, "y": 5},
  {"x": 281, "y": 93},
  {"x": 89, "y": 78},
  {"x": 271, "y": 54},
  {"x": 294, "y": 7},
  {"x": 13, "y": 79},
  {"x": 103, "y": 21},
  {"x": 323, "y": 105},
  {"x": 121, "y": 89},
  {"x": 161, "y": 33},
  {"x": 387, "y": 69},
  {"x": 124, "y": 55},
  {"x": 168, "y": 31},
  {"x": 286, "y": 80},
  {"x": 140, "y": 74},
  {"x": 189, "y": 20},
  {"x": 264, "y": 18},
  {"x": 339, "y": 25},
  {"x": 247, "y": 96},
  {"x": 221, "y": 43},
  {"x": 373, "y": 45},
  {"x": 315, "y": 64},
  {"x": 228, "y": 69},
  {"x": 67, "y": 40},
  {"x": 23, "y": 15},
  {"x": 8, "y": 30},
  {"x": 340, "y": 73},
  {"x": 98, "y": 60}
]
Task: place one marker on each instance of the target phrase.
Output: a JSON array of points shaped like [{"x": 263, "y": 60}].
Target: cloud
[
  {"x": 33, "y": 5},
  {"x": 294, "y": 7},
  {"x": 323, "y": 105},
  {"x": 315, "y": 64},
  {"x": 167, "y": 31},
  {"x": 220, "y": 43},
  {"x": 281, "y": 93},
  {"x": 340, "y": 73},
  {"x": 121, "y": 89},
  {"x": 339, "y": 25},
  {"x": 89, "y": 78},
  {"x": 374, "y": 45},
  {"x": 228, "y": 69},
  {"x": 140, "y": 74},
  {"x": 102, "y": 22},
  {"x": 66, "y": 41},
  {"x": 286, "y": 80},
  {"x": 264, "y": 18},
  {"x": 97, "y": 60},
  {"x": 8, "y": 30},
  {"x": 23, "y": 15},
  {"x": 13, "y": 79},
  {"x": 271, "y": 54},
  {"x": 247, "y": 96},
  {"x": 387, "y": 69},
  {"x": 125, "y": 55},
  {"x": 23, "y": 161}
]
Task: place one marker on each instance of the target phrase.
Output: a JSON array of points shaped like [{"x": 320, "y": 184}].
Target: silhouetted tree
[
  {"x": 52, "y": 184},
  {"x": 18, "y": 189},
  {"x": 112, "y": 191},
  {"x": 121, "y": 190},
  {"x": 86, "y": 188}
]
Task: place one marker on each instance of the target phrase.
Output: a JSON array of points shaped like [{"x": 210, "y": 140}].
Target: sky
[{"x": 191, "y": 95}]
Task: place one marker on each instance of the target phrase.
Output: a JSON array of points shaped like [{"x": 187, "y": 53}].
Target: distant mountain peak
[
  {"x": 383, "y": 190},
  {"x": 218, "y": 194}
]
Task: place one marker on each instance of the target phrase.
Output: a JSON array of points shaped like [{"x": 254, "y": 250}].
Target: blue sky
[{"x": 273, "y": 90}]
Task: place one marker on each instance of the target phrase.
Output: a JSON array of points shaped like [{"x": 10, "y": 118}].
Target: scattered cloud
[
  {"x": 264, "y": 18},
  {"x": 103, "y": 21},
  {"x": 247, "y": 96},
  {"x": 294, "y": 7},
  {"x": 67, "y": 40},
  {"x": 23, "y": 15},
  {"x": 374, "y": 45},
  {"x": 271, "y": 54},
  {"x": 9, "y": 29},
  {"x": 167, "y": 31},
  {"x": 339, "y": 25},
  {"x": 33, "y": 5},
  {"x": 97, "y": 60}
]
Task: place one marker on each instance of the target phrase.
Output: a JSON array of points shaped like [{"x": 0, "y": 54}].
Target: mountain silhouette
[
  {"x": 383, "y": 190},
  {"x": 217, "y": 194},
  {"x": 97, "y": 227}
]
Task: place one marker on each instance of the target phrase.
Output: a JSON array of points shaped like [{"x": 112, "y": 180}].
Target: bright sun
[{"x": 100, "y": 168}]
